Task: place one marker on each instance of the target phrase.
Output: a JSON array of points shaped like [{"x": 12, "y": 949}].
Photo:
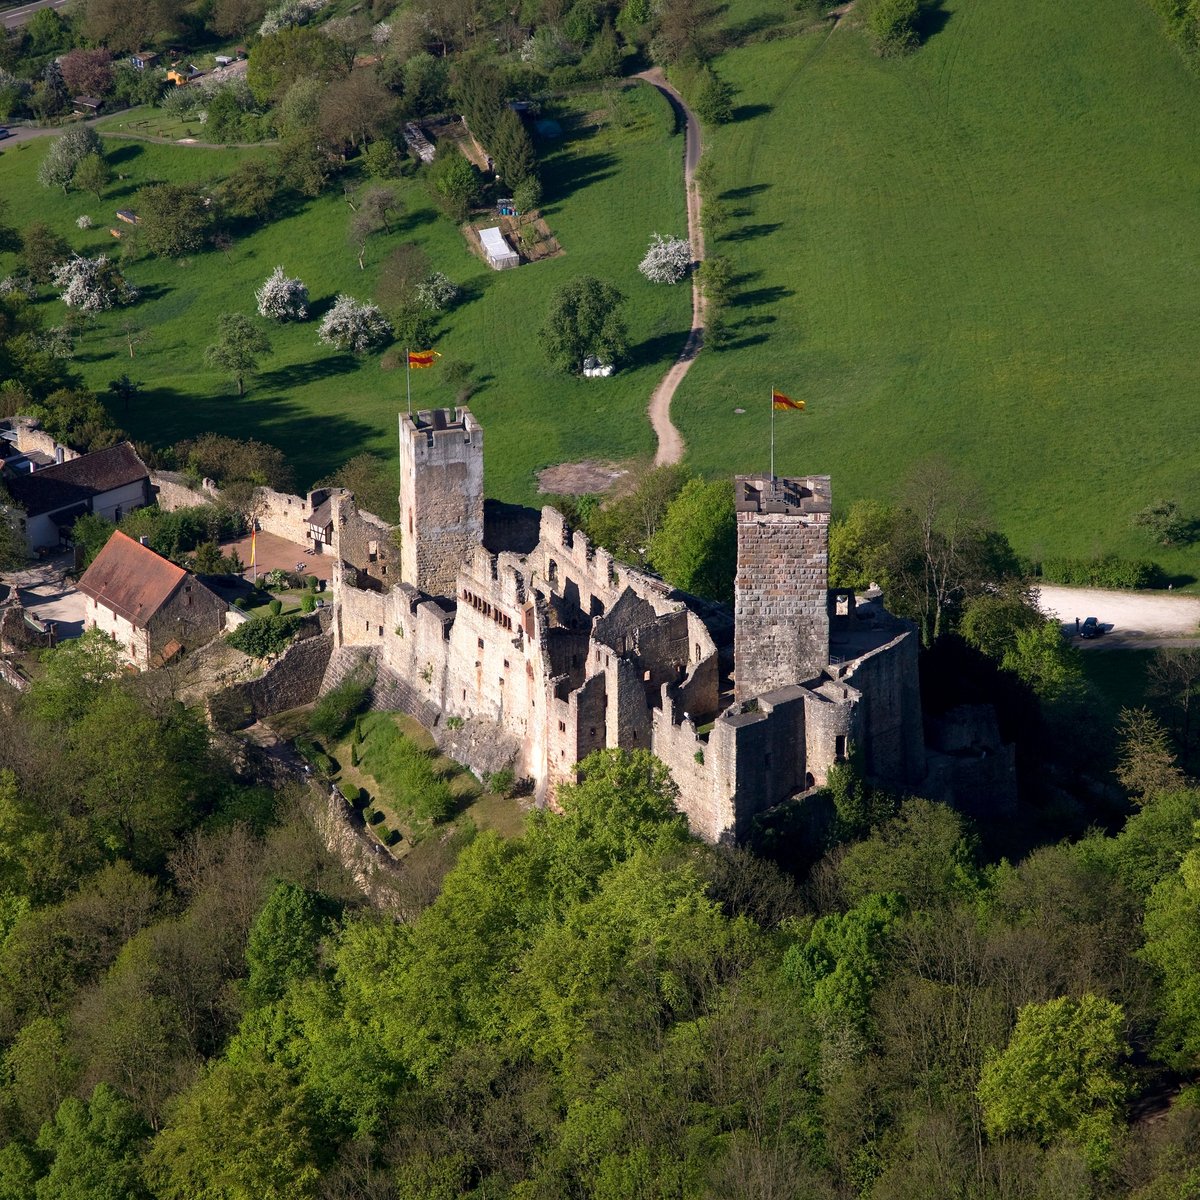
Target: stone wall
[
  {"x": 30, "y": 437},
  {"x": 174, "y": 491},
  {"x": 781, "y": 587},
  {"x": 292, "y": 680},
  {"x": 365, "y": 542}
]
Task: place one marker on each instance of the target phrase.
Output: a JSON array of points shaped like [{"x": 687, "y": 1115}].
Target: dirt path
[
  {"x": 670, "y": 443},
  {"x": 1131, "y": 620}
]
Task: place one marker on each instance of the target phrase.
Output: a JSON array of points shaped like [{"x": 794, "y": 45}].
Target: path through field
[{"x": 670, "y": 443}]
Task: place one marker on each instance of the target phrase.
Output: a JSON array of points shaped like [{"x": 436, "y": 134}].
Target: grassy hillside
[
  {"x": 989, "y": 250},
  {"x": 608, "y": 186}
]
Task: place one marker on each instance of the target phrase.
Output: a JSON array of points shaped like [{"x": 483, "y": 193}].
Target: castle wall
[
  {"x": 284, "y": 515},
  {"x": 831, "y": 729},
  {"x": 364, "y": 541},
  {"x": 172, "y": 491}
]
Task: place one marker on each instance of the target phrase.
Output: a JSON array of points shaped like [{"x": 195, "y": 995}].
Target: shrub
[
  {"x": 353, "y": 325},
  {"x": 311, "y": 582},
  {"x": 667, "y": 260},
  {"x": 282, "y": 299},
  {"x": 893, "y": 26},
  {"x": 349, "y": 792},
  {"x": 278, "y": 579},
  {"x": 265, "y": 635},
  {"x": 500, "y": 782},
  {"x": 324, "y": 765},
  {"x": 275, "y": 607},
  {"x": 454, "y": 722},
  {"x": 84, "y": 222},
  {"x": 373, "y": 816},
  {"x": 335, "y": 710},
  {"x": 307, "y": 602},
  {"x": 353, "y": 755},
  {"x": 1107, "y": 571}
]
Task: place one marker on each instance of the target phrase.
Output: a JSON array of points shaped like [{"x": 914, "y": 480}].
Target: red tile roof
[{"x": 130, "y": 579}]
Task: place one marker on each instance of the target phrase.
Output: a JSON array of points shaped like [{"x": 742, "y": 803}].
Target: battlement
[
  {"x": 804, "y": 496},
  {"x": 442, "y": 427}
]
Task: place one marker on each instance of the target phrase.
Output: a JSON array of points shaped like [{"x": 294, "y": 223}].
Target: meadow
[
  {"x": 609, "y": 183},
  {"x": 988, "y": 251}
]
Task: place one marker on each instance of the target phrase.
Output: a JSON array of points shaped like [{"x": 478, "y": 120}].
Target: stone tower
[
  {"x": 781, "y": 591},
  {"x": 441, "y": 496}
]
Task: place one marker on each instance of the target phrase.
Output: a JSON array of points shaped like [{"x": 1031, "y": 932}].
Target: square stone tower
[
  {"x": 781, "y": 611},
  {"x": 441, "y": 496}
]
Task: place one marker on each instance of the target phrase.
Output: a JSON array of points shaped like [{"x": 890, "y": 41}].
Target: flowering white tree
[
  {"x": 282, "y": 299},
  {"x": 92, "y": 284},
  {"x": 437, "y": 292},
  {"x": 352, "y": 325},
  {"x": 84, "y": 222},
  {"x": 291, "y": 12},
  {"x": 667, "y": 260}
]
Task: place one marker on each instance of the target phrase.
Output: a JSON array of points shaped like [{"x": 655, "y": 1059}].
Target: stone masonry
[{"x": 781, "y": 590}]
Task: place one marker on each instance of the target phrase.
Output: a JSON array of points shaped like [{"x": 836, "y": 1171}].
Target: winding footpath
[{"x": 670, "y": 443}]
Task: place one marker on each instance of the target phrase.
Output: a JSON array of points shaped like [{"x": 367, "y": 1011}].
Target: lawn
[
  {"x": 609, "y": 185},
  {"x": 988, "y": 251}
]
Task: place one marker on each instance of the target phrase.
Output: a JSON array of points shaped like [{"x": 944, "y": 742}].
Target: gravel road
[{"x": 1131, "y": 620}]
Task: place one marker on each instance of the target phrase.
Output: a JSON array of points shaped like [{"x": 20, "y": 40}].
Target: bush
[
  {"x": 500, "y": 782},
  {"x": 1107, "y": 571},
  {"x": 324, "y": 765},
  {"x": 353, "y": 755},
  {"x": 373, "y": 816},
  {"x": 278, "y": 579},
  {"x": 263, "y": 636},
  {"x": 308, "y": 602},
  {"x": 311, "y": 582},
  {"x": 893, "y": 26},
  {"x": 349, "y": 792},
  {"x": 335, "y": 710},
  {"x": 275, "y": 607}
]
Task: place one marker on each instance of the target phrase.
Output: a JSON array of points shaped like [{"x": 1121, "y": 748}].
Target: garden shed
[{"x": 500, "y": 254}]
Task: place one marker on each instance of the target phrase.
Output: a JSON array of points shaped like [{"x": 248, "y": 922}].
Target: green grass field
[
  {"x": 989, "y": 250},
  {"x": 607, "y": 189}
]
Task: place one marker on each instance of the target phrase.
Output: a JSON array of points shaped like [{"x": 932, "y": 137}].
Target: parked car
[
  {"x": 5, "y": 131},
  {"x": 1091, "y": 628}
]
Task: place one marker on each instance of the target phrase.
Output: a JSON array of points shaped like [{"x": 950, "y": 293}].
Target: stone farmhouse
[
  {"x": 543, "y": 647},
  {"x": 152, "y": 608}
]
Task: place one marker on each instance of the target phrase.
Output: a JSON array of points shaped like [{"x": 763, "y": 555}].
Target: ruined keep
[{"x": 546, "y": 648}]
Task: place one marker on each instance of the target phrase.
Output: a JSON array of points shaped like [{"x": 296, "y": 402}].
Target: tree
[
  {"x": 134, "y": 335},
  {"x": 695, "y": 547},
  {"x": 1059, "y": 1076},
  {"x": 1164, "y": 521},
  {"x": 584, "y": 318},
  {"x": 1146, "y": 765},
  {"x": 92, "y": 175},
  {"x": 1044, "y": 660},
  {"x": 283, "y": 943},
  {"x": 42, "y": 249},
  {"x": 124, "y": 389},
  {"x": 352, "y": 110},
  {"x": 96, "y": 1146},
  {"x": 127, "y": 25},
  {"x": 354, "y": 325},
  {"x": 893, "y": 26},
  {"x": 302, "y": 165},
  {"x": 381, "y": 159},
  {"x": 93, "y": 284},
  {"x": 1174, "y": 678},
  {"x": 627, "y": 524},
  {"x": 65, "y": 154},
  {"x": 667, "y": 260},
  {"x": 401, "y": 274},
  {"x": 373, "y": 481},
  {"x": 281, "y": 298},
  {"x": 438, "y": 292},
  {"x": 173, "y": 219},
  {"x": 1172, "y": 925},
  {"x": 87, "y": 72},
  {"x": 426, "y": 83},
  {"x": 239, "y": 346},
  {"x": 236, "y": 18},
  {"x": 375, "y": 208},
  {"x": 300, "y": 52},
  {"x": 12, "y": 539},
  {"x": 252, "y": 188},
  {"x": 454, "y": 182},
  {"x": 714, "y": 102}
]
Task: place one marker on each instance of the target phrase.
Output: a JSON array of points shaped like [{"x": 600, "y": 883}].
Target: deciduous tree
[
  {"x": 239, "y": 346},
  {"x": 584, "y": 318},
  {"x": 695, "y": 547},
  {"x": 174, "y": 219}
]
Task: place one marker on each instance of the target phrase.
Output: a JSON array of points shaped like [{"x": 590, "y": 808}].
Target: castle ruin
[{"x": 548, "y": 648}]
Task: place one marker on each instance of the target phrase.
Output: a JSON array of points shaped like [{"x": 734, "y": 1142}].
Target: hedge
[
  {"x": 1107, "y": 571},
  {"x": 349, "y": 792}
]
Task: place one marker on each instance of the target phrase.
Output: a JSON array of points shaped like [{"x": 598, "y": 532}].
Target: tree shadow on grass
[
  {"x": 745, "y": 233},
  {"x": 299, "y": 374},
  {"x": 743, "y": 193},
  {"x": 659, "y": 348},
  {"x": 759, "y": 23},
  {"x": 566, "y": 175},
  {"x": 932, "y": 18},
  {"x": 125, "y": 153},
  {"x": 747, "y": 112},
  {"x": 760, "y": 296}
]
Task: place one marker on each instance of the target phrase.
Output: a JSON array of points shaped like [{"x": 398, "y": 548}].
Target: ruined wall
[
  {"x": 441, "y": 497},
  {"x": 890, "y": 728},
  {"x": 364, "y": 541},
  {"x": 30, "y": 437},
  {"x": 292, "y": 680},
  {"x": 831, "y": 728},
  {"x": 284, "y": 515},
  {"x": 781, "y": 587},
  {"x": 172, "y": 491}
]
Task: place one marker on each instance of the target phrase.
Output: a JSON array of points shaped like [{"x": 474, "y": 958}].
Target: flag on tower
[
  {"x": 781, "y": 402},
  {"x": 422, "y": 358}
]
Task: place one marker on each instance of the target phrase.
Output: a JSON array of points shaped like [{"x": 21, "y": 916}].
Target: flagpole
[
  {"x": 408, "y": 374},
  {"x": 772, "y": 437}
]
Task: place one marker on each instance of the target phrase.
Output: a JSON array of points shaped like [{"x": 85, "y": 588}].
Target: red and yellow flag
[
  {"x": 422, "y": 358},
  {"x": 780, "y": 402},
  {"x": 253, "y": 545}
]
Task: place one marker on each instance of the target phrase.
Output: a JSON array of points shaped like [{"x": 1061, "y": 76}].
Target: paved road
[
  {"x": 12, "y": 17},
  {"x": 670, "y": 442},
  {"x": 1131, "y": 620}
]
